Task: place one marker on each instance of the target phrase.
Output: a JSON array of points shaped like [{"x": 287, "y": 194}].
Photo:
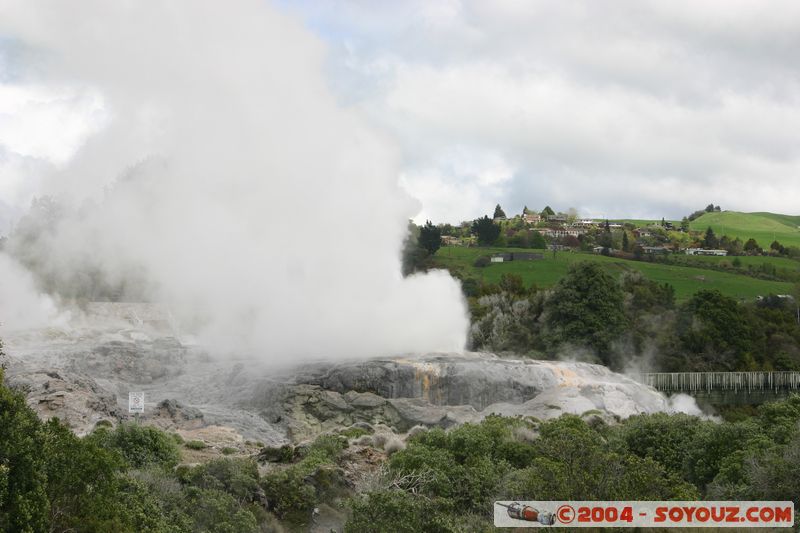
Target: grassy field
[
  {"x": 547, "y": 271},
  {"x": 763, "y": 227},
  {"x": 745, "y": 260}
]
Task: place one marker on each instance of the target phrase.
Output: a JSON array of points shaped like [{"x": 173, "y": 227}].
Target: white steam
[{"x": 256, "y": 207}]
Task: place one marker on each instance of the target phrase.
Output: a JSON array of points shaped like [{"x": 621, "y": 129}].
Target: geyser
[{"x": 224, "y": 174}]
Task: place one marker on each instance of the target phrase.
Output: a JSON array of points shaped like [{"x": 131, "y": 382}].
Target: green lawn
[
  {"x": 547, "y": 271},
  {"x": 763, "y": 227},
  {"x": 745, "y": 260}
]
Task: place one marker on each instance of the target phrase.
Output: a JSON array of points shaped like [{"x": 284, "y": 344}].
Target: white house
[{"x": 703, "y": 251}]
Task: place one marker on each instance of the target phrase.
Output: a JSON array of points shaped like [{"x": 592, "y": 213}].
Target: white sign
[{"x": 136, "y": 402}]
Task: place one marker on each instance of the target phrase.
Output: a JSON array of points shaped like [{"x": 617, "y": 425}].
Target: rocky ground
[{"x": 83, "y": 375}]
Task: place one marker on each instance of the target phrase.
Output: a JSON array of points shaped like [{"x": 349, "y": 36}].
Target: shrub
[
  {"x": 196, "y": 445},
  {"x": 401, "y": 512},
  {"x": 227, "y": 450},
  {"x": 140, "y": 446},
  {"x": 238, "y": 477},
  {"x": 394, "y": 445},
  {"x": 287, "y": 493}
]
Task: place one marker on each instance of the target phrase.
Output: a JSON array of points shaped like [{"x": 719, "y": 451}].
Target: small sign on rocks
[{"x": 136, "y": 402}]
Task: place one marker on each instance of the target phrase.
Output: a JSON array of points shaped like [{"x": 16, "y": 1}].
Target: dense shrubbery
[
  {"x": 51, "y": 480},
  {"x": 588, "y": 314},
  {"x": 123, "y": 480},
  {"x": 444, "y": 475}
]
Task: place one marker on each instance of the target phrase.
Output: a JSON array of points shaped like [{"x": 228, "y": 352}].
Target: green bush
[
  {"x": 218, "y": 512},
  {"x": 196, "y": 445},
  {"x": 139, "y": 445},
  {"x": 288, "y": 495},
  {"x": 401, "y": 512},
  {"x": 227, "y": 450},
  {"x": 238, "y": 477},
  {"x": 25, "y": 506}
]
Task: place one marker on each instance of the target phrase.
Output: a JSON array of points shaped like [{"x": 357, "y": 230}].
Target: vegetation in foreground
[{"x": 127, "y": 479}]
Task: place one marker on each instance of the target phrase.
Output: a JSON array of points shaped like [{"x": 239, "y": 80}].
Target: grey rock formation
[{"x": 84, "y": 374}]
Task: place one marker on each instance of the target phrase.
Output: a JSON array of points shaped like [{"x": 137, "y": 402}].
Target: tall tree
[
  {"x": 430, "y": 237},
  {"x": 586, "y": 308},
  {"x": 685, "y": 224},
  {"x": 498, "y": 212},
  {"x": 547, "y": 211},
  {"x": 486, "y": 231},
  {"x": 24, "y": 506},
  {"x": 713, "y": 333},
  {"x": 710, "y": 240},
  {"x": 625, "y": 243}
]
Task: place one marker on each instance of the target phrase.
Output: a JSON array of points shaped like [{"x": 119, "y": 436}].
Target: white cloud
[{"x": 656, "y": 108}]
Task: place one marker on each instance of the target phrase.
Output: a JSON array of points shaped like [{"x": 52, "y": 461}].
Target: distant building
[
  {"x": 449, "y": 240},
  {"x": 515, "y": 256},
  {"x": 652, "y": 250},
  {"x": 557, "y": 218},
  {"x": 703, "y": 251},
  {"x": 599, "y": 250},
  {"x": 532, "y": 218},
  {"x": 555, "y": 233}
]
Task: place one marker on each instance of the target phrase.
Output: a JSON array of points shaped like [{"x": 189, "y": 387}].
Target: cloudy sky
[{"x": 636, "y": 109}]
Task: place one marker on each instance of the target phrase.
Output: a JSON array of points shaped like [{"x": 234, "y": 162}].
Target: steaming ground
[
  {"x": 83, "y": 370},
  {"x": 218, "y": 175}
]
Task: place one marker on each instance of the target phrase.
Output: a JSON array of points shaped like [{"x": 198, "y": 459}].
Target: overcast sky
[{"x": 636, "y": 109}]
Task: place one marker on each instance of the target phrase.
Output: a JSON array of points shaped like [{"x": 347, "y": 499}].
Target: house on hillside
[
  {"x": 532, "y": 218},
  {"x": 654, "y": 250},
  {"x": 561, "y": 219},
  {"x": 515, "y": 256},
  {"x": 555, "y": 233},
  {"x": 449, "y": 240},
  {"x": 704, "y": 251}
]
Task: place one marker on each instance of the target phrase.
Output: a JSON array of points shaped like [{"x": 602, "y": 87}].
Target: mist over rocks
[{"x": 83, "y": 375}]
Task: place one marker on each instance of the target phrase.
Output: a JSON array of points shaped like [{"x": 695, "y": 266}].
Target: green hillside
[
  {"x": 763, "y": 227},
  {"x": 548, "y": 271}
]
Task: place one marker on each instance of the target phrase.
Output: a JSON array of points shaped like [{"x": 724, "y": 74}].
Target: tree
[
  {"x": 547, "y": 211},
  {"x": 498, "y": 212},
  {"x": 713, "y": 334},
  {"x": 430, "y": 237},
  {"x": 24, "y": 507},
  {"x": 586, "y": 308},
  {"x": 536, "y": 240},
  {"x": 512, "y": 283},
  {"x": 685, "y": 224},
  {"x": 625, "y": 243},
  {"x": 140, "y": 446},
  {"x": 82, "y": 482},
  {"x": 751, "y": 247},
  {"x": 525, "y": 210},
  {"x": 710, "y": 240},
  {"x": 486, "y": 231},
  {"x": 778, "y": 248},
  {"x": 710, "y": 208}
]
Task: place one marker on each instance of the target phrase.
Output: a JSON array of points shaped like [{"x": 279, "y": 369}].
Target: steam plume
[{"x": 227, "y": 175}]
